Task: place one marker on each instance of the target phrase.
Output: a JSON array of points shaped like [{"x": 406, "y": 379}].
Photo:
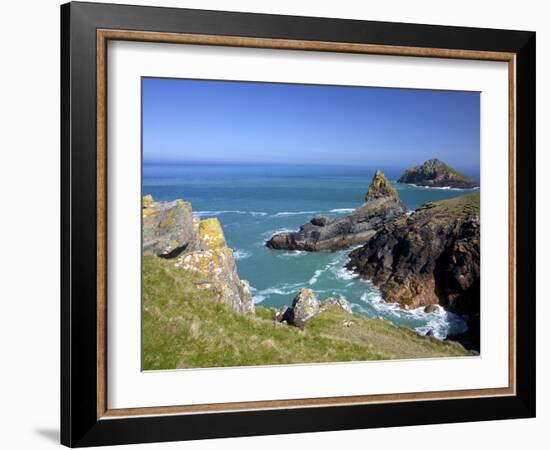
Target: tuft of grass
[{"x": 183, "y": 326}]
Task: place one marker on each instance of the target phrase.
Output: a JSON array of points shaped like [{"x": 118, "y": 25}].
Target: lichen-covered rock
[
  {"x": 380, "y": 187},
  {"x": 330, "y": 233},
  {"x": 171, "y": 231},
  {"x": 435, "y": 173},
  {"x": 304, "y": 306},
  {"x": 339, "y": 302},
  {"x": 211, "y": 234},
  {"x": 167, "y": 227},
  {"x": 217, "y": 267}
]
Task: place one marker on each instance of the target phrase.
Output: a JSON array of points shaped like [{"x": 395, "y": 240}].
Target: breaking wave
[
  {"x": 291, "y": 253},
  {"x": 259, "y": 296},
  {"x": 440, "y": 322},
  {"x": 443, "y": 188},
  {"x": 241, "y": 254},
  {"x": 293, "y": 213},
  {"x": 342, "y": 210},
  {"x": 217, "y": 213}
]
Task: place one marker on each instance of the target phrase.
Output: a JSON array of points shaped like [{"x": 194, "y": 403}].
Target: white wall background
[{"x": 29, "y": 223}]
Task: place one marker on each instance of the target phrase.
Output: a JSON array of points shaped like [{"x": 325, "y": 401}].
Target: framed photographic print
[{"x": 277, "y": 224}]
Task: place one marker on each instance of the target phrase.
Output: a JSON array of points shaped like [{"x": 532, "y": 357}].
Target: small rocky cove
[
  {"x": 428, "y": 258},
  {"x": 425, "y": 259}
]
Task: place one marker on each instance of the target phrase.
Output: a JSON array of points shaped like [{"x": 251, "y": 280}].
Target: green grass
[
  {"x": 184, "y": 327},
  {"x": 456, "y": 173},
  {"x": 466, "y": 204}
]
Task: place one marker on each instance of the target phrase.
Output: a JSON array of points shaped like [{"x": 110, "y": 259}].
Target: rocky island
[
  {"x": 197, "y": 312},
  {"x": 435, "y": 173},
  {"x": 431, "y": 257},
  {"x": 382, "y": 205}
]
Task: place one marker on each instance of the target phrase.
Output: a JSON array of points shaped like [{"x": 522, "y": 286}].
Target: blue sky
[{"x": 247, "y": 122}]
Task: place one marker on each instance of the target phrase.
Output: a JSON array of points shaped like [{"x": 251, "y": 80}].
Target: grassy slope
[
  {"x": 185, "y": 327},
  {"x": 463, "y": 205},
  {"x": 457, "y": 174}
]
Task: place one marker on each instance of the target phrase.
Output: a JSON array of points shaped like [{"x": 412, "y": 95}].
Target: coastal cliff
[
  {"x": 197, "y": 247},
  {"x": 382, "y": 205},
  {"x": 435, "y": 173},
  {"x": 431, "y": 257},
  {"x": 197, "y": 312}
]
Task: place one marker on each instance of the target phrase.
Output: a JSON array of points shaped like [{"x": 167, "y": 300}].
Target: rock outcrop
[
  {"x": 431, "y": 257},
  {"x": 435, "y": 173},
  {"x": 382, "y": 205},
  {"x": 306, "y": 305},
  {"x": 341, "y": 303},
  {"x": 168, "y": 227},
  {"x": 171, "y": 231}
]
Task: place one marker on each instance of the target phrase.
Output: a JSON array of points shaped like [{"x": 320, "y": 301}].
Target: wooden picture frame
[{"x": 86, "y": 418}]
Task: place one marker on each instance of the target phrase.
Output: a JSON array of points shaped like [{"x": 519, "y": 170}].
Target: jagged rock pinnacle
[{"x": 380, "y": 187}]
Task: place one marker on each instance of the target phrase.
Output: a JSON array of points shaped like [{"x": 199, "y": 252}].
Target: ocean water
[{"x": 253, "y": 202}]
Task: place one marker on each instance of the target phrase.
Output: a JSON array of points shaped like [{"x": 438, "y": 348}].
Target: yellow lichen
[
  {"x": 147, "y": 201},
  {"x": 148, "y": 211},
  {"x": 211, "y": 234},
  {"x": 208, "y": 263},
  {"x": 168, "y": 220}
]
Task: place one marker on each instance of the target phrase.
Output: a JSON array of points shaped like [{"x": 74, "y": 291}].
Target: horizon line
[{"x": 279, "y": 163}]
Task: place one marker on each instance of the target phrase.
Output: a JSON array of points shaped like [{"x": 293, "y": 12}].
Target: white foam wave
[
  {"x": 335, "y": 267},
  {"x": 258, "y": 298},
  {"x": 316, "y": 276},
  {"x": 241, "y": 254},
  {"x": 269, "y": 234},
  {"x": 342, "y": 210},
  {"x": 282, "y": 289},
  {"x": 291, "y": 254},
  {"x": 217, "y": 213},
  {"x": 344, "y": 274},
  {"x": 443, "y": 188},
  {"x": 293, "y": 213},
  {"x": 439, "y": 322}
]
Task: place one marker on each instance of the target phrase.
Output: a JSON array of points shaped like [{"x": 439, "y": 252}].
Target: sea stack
[
  {"x": 382, "y": 206},
  {"x": 435, "y": 173}
]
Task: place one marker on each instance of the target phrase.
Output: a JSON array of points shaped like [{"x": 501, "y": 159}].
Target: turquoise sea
[{"x": 253, "y": 202}]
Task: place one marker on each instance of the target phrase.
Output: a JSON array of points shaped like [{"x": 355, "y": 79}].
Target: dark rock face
[
  {"x": 328, "y": 233},
  {"x": 431, "y": 257},
  {"x": 435, "y": 173}
]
